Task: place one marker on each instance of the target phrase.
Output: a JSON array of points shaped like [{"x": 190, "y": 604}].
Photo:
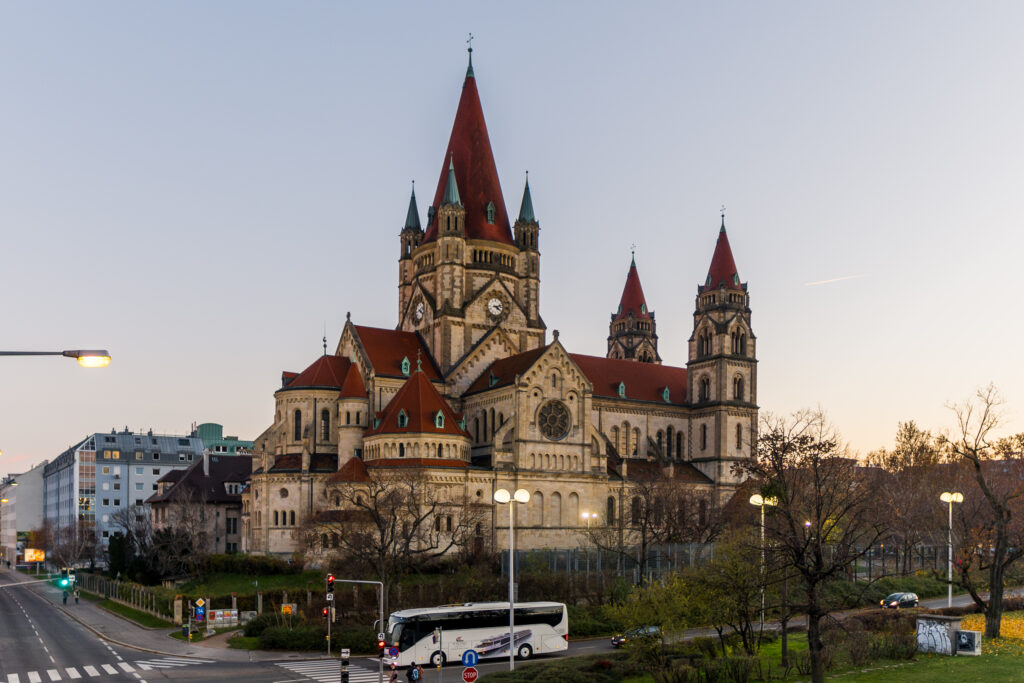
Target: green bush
[
  {"x": 304, "y": 638},
  {"x": 256, "y": 626},
  {"x": 593, "y": 620}
]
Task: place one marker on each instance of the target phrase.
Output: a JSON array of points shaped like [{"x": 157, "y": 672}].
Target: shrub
[
  {"x": 305, "y": 638},
  {"x": 256, "y": 626}
]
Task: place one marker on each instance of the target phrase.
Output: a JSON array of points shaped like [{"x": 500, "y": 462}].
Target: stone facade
[{"x": 482, "y": 399}]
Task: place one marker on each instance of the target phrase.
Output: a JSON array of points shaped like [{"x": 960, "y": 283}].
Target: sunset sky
[{"x": 202, "y": 187}]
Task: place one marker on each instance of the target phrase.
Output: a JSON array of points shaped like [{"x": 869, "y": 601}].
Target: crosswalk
[
  {"x": 87, "y": 671},
  {"x": 326, "y": 671}
]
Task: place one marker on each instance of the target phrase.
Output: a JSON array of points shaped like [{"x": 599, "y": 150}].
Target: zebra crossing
[
  {"x": 87, "y": 671},
  {"x": 326, "y": 671}
]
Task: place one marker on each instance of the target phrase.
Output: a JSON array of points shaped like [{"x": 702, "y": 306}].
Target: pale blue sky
[{"x": 200, "y": 186}]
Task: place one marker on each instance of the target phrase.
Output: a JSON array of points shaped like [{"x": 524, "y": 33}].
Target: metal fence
[{"x": 662, "y": 560}]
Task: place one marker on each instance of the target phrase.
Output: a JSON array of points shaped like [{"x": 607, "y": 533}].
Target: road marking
[
  {"x": 91, "y": 670},
  {"x": 126, "y": 667},
  {"x": 33, "y": 677},
  {"x": 13, "y": 678},
  {"x": 73, "y": 672},
  {"x": 109, "y": 669},
  {"x": 53, "y": 674}
]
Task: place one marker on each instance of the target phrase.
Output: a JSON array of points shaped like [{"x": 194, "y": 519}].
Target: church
[{"x": 472, "y": 391}]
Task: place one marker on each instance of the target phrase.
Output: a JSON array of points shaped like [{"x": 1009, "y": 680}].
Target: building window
[
  {"x": 439, "y": 420},
  {"x": 704, "y": 392},
  {"x": 622, "y": 390},
  {"x": 739, "y": 436},
  {"x": 297, "y": 426},
  {"x": 704, "y": 344},
  {"x": 490, "y": 213},
  {"x": 156, "y": 470},
  {"x": 291, "y": 518},
  {"x": 668, "y": 441},
  {"x": 737, "y": 388},
  {"x": 138, "y": 470},
  {"x": 138, "y": 502},
  {"x": 401, "y": 450},
  {"x": 117, "y": 502},
  {"x": 181, "y": 457},
  {"x": 679, "y": 444},
  {"x": 156, "y": 455},
  {"x": 703, "y": 437},
  {"x": 106, "y": 502},
  {"x": 357, "y": 416},
  {"x": 609, "y": 515},
  {"x": 348, "y": 417},
  {"x": 275, "y": 517},
  {"x": 138, "y": 454},
  {"x": 405, "y": 366},
  {"x": 403, "y": 419},
  {"x": 154, "y": 487},
  {"x": 117, "y": 486},
  {"x": 325, "y": 425},
  {"x": 138, "y": 487}
]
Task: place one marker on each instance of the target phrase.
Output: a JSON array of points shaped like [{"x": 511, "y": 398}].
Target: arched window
[
  {"x": 357, "y": 416},
  {"x": 609, "y": 515},
  {"x": 403, "y": 419},
  {"x": 494, "y": 425},
  {"x": 439, "y": 420},
  {"x": 556, "y": 509},
  {"x": 704, "y": 344},
  {"x": 501, "y": 419},
  {"x": 291, "y": 518},
  {"x": 622, "y": 390},
  {"x": 297, "y": 425},
  {"x": 401, "y": 450},
  {"x": 737, "y": 388},
  {"x": 537, "y": 513},
  {"x": 440, "y": 450},
  {"x": 485, "y": 425},
  {"x": 337, "y": 501},
  {"x": 614, "y": 438},
  {"x": 635, "y": 510},
  {"x": 739, "y": 436},
  {"x": 323, "y": 541},
  {"x": 661, "y": 437},
  {"x": 703, "y": 437},
  {"x": 335, "y": 539},
  {"x": 437, "y": 523},
  {"x": 448, "y": 523},
  {"x": 704, "y": 392},
  {"x": 325, "y": 425},
  {"x": 348, "y": 417},
  {"x": 476, "y": 429},
  {"x": 679, "y": 445},
  {"x": 668, "y": 442},
  {"x": 573, "y": 510},
  {"x": 636, "y": 439},
  {"x": 275, "y": 518},
  {"x": 490, "y": 212},
  {"x": 554, "y": 380}
]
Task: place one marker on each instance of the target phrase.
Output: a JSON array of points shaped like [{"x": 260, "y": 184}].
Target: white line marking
[
  {"x": 126, "y": 667},
  {"x": 33, "y": 677},
  {"x": 13, "y": 678},
  {"x": 91, "y": 670},
  {"x": 53, "y": 674},
  {"x": 73, "y": 672},
  {"x": 109, "y": 669}
]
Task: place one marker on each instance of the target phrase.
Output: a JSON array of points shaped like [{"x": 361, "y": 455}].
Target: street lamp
[
  {"x": 950, "y": 498},
  {"x": 502, "y": 496},
  {"x": 589, "y": 516},
  {"x": 760, "y": 501},
  {"x": 94, "y": 358}
]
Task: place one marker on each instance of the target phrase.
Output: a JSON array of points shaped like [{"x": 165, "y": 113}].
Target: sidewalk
[{"x": 126, "y": 633}]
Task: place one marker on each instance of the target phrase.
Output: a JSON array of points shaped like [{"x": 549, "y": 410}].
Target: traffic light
[
  {"x": 382, "y": 647},
  {"x": 330, "y": 583},
  {"x": 325, "y": 611},
  {"x": 64, "y": 580}
]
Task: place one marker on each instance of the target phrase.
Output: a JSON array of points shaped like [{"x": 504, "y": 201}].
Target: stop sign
[{"x": 469, "y": 674}]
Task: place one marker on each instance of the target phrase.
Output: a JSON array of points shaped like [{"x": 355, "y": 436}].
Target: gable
[{"x": 492, "y": 347}]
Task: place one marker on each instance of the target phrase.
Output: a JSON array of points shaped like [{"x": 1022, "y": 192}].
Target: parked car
[
  {"x": 635, "y": 634},
  {"x": 897, "y": 600}
]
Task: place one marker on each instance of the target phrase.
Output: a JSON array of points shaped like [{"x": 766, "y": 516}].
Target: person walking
[
  {"x": 76, "y": 596},
  {"x": 65, "y": 597},
  {"x": 413, "y": 674}
]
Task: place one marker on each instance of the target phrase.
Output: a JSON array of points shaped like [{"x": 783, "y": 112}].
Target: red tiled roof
[
  {"x": 475, "y": 172},
  {"x": 417, "y": 462},
  {"x": 325, "y": 372},
  {"x": 633, "y": 300},
  {"x": 387, "y": 348},
  {"x": 353, "y": 386},
  {"x": 644, "y": 381},
  {"x": 723, "y": 267},
  {"x": 421, "y": 402},
  {"x": 504, "y": 370},
  {"x": 353, "y": 470}
]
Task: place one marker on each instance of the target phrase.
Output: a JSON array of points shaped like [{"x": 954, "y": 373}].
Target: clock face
[
  {"x": 419, "y": 311},
  {"x": 494, "y": 307}
]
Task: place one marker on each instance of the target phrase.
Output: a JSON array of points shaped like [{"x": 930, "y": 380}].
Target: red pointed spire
[
  {"x": 723, "y": 267},
  {"x": 469, "y": 150},
  {"x": 633, "y": 300}
]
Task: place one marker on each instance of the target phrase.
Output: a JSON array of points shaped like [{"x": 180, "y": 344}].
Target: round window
[
  {"x": 284, "y": 493},
  {"x": 553, "y": 419}
]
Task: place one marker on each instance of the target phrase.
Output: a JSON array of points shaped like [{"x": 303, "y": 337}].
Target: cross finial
[
  {"x": 469, "y": 41},
  {"x": 469, "y": 69},
  {"x": 723, "y": 210},
  {"x": 419, "y": 367},
  {"x": 325, "y": 339}
]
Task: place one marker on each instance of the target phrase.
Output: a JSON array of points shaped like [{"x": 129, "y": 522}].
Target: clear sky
[{"x": 201, "y": 187}]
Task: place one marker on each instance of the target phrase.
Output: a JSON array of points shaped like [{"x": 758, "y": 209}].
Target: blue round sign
[
  {"x": 470, "y": 658},
  {"x": 393, "y": 651}
]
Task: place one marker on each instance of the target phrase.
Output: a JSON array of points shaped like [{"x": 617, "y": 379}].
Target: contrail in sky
[{"x": 835, "y": 279}]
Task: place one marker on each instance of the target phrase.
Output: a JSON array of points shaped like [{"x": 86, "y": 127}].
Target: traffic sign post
[
  {"x": 470, "y": 658},
  {"x": 470, "y": 674},
  {"x": 344, "y": 665}
]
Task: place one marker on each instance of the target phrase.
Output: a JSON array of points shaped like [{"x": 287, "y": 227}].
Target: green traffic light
[{"x": 63, "y": 582}]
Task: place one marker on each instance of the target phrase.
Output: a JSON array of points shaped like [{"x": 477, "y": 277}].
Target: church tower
[
  {"x": 468, "y": 274},
  {"x": 411, "y": 236},
  {"x": 632, "y": 333},
  {"x": 722, "y": 370}
]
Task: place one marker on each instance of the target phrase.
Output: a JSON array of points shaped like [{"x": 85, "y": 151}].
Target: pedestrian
[
  {"x": 394, "y": 676},
  {"x": 412, "y": 675},
  {"x": 419, "y": 672},
  {"x": 76, "y": 596},
  {"x": 65, "y": 597}
]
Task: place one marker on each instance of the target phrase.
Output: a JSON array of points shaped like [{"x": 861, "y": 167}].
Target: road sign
[
  {"x": 470, "y": 658},
  {"x": 200, "y": 602},
  {"x": 469, "y": 674},
  {"x": 380, "y": 636},
  {"x": 393, "y": 651},
  {"x": 330, "y": 597},
  {"x": 344, "y": 653}
]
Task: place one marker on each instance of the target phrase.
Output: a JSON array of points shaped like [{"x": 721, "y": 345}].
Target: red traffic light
[
  {"x": 325, "y": 611},
  {"x": 382, "y": 644},
  {"x": 330, "y": 583}
]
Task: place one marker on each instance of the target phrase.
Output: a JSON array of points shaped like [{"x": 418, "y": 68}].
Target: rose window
[{"x": 553, "y": 419}]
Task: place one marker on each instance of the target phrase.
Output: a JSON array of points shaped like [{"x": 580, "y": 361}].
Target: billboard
[{"x": 34, "y": 555}]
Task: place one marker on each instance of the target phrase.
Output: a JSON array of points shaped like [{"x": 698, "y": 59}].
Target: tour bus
[{"x": 540, "y": 628}]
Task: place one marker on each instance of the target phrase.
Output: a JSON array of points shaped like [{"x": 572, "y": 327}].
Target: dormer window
[
  {"x": 376, "y": 422},
  {"x": 490, "y": 213},
  {"x": 439, "y": 420},
  {"x": 622, "y": 390},
  {"x": 643, "y": 309},
  {"x": 405, "y": 366},
  {"x": 665, "y": 395},
  {"x": 403, "y": 419},
  {"x": 492, "y": 380},
  {"x": 462, "y": 423}
]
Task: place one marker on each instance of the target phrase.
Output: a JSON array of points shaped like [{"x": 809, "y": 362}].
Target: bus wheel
[
  {"x": 524, "y": 652},
  {"x": 437, "y": 659}
]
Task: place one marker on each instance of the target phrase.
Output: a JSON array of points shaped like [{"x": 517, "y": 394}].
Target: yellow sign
[
  {"x": 200, "y": 602},
  {"x": 35, "y": 555}
]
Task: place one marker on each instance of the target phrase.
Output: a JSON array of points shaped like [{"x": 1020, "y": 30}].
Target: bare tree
[
  {"x": 824, "y": 514},
  {"x": 182, "y": 539},
  {"x": 74, "y": 543},
  {"x": 659, "y": 512},
  {"x": 395, "y": 522},
  {"x": 991, "y": 514},
  {"x": 911, "y": 484}
]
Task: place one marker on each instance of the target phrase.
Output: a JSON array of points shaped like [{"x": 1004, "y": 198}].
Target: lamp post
[
  {"x": 87, "y": 358},
  {"x": 589, "y": 516},
  {"x": 760, "y": 501},
  {"x": 950, "y": 497},
  {"x": 502, "y": 496}
]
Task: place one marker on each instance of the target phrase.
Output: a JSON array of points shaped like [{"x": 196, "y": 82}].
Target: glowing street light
[
  {"x": 589, "y": 516},
  {"x": 502, "y": 496},
  {"x": 761, "y": 502},
  {"x": 950, "y": 498},
  {"x": 87, "y": 358}
]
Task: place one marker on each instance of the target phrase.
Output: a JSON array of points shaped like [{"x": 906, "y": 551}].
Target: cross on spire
[{"x": 469, "y": 41}]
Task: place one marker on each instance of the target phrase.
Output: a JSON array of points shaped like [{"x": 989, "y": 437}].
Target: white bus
[{"x": 540, "y": 628}]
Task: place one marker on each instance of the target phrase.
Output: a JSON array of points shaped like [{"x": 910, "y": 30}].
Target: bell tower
[
  {"x": 722, "y": 370},
  {"x": 632, "y": 334},
  {"x": 527, "y": 232},
  {"x": 411, "y": 236}
]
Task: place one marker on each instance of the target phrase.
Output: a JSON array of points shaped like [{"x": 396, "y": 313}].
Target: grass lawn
[
  {"x": 225, "y": 584},
  {"x": 135, "y": 615},
  {"x": 244, "y": 643}
]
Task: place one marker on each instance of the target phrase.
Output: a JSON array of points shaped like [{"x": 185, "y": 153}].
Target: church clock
[{"x": 495, "y": 307}]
